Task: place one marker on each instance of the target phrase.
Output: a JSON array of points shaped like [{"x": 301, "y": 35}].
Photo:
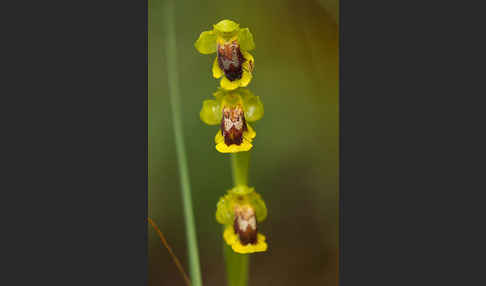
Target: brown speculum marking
[
  {"x": 245, "y": 225},
  {"x": 233, "y": 124},
  {"x": 230, "y": 60}
]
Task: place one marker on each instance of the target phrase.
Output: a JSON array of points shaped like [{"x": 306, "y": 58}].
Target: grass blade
[{"x": 173, "y": 82}]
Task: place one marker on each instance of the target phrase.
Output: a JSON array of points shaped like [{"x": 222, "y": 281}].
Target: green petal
[
  {"x": 245, "y": 38},
  {"x": 211, "y": 112},
  {"x": 206, "y": 44}
]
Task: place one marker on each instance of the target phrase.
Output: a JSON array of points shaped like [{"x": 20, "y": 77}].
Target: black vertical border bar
[
  {"x": 366, "y": 164},
  {"x": 78, "y": 72},
  {"x": 144, "y": 267},
  {"x": 405, "y": 212}
]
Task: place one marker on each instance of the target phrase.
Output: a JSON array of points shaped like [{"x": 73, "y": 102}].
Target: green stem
[
  {"x": 239, "y": 164},
  {"x": 237, "y": 265},
  {"x": 173, "y": 82}
]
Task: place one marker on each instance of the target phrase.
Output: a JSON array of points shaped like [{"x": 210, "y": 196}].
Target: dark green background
[{"x": 294, "y": 161}]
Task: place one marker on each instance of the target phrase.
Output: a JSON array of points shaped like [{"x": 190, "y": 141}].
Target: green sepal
[
  {"x": 206, "y": 43},
  {"x": 226, "y": 28},
  {"x": 259, "y": 206},
  {"x": 253, "y": 106},
  {"x": 245, "y": 39},
  {"x": 211, "y": 112}
]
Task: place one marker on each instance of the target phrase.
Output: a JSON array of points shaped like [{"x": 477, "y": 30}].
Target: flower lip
[
  {"x": 245, "y": 225},
  {"x": 230, "y": 60},
  {"x": 233, "y": 125},
  {"x": 232, "y": 79},
  {"x": 232, "y": 239}
]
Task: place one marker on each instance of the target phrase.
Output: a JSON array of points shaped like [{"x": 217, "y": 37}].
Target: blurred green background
[{"x": 294, "y": 161}]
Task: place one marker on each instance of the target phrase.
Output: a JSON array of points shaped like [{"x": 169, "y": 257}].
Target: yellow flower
[
  {"x": 231, "y": 110},
  {"x": 240, "y": 210},
  {"x": 233, "y": 64}
]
